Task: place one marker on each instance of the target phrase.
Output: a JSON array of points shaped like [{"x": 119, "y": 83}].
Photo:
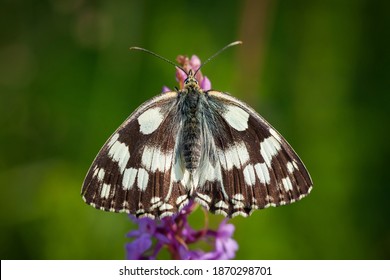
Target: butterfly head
[{"x": 191, "y": 82}]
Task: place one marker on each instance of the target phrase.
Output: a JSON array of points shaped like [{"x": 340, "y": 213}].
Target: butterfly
[{"x": 198, "y": 145}]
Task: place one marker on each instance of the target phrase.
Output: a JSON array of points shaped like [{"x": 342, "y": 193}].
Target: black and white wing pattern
[
  {"x": 191, "y": 144},
  {"x": 132, "y": 172},
  {"x": 254, "y": 166}
]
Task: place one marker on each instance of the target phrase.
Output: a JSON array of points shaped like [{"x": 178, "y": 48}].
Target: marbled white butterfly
[{"x": 193, "y": 144}]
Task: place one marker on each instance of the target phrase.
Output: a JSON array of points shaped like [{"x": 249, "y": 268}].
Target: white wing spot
[
  {"x": 242, "y": 153},
  {"x": 119, "y": 153},
  {"x": 113, "y": 139},
  {"x": 221, "y": 204},
  {"x": 204, "y": 197},
  {"x": 238, "y": 205},
  {"x": 101, "y": 173},
  {"x": 150, "y": 120},
  {"x": 236, "y": 117},
  {"x": 249, "y": 175},
  {"x": 147, "y": 157},
  {"x": 165, "y": 207},
  {"x": 262, "y": 173},
  {"x": 202, "y": 202},
  {"x": 166, "y": 214},
  {"x": 236, "y": 155},
  {"x": 269, "y": 148},
  {"x": 302, "y": 196},
  {"x": 238, "y": 197},
  {"x": 155, "y": 199},
  {"x": 183, "y": 203},
  {"x": 275, "y": 134},
  {"x": 155, "y": 205},
  {"x": 270, "y": 205},
  {"x": 142, "y": 179},
  {"x": 290, "y": 167},
  {"x": 239, "y": 213},
  {"x": 105, "y": 192},
  {"x": 129, "y": 178},
  {"x": 181, "y": 199},
  {"x": 220, "y": 212},
  {"x": 287, "y": 184},
  {"x": 154, "y": 159},
  {"x": 254, "y": 207}
]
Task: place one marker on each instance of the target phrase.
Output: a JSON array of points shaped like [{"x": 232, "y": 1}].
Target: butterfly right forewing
[{"x": 256, "y": 165}]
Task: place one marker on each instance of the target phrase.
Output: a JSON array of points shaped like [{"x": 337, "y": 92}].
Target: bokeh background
[{"x": 317, "y": 70}]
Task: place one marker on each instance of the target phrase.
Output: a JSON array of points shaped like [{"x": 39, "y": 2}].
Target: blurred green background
[{"x": 317, "y": 70}]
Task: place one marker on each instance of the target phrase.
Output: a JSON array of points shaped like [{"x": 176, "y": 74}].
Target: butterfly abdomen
[{"x": 191, "y": 131}]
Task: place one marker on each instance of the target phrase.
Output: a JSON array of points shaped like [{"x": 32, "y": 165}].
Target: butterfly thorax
[{"x": 191, "y": 140}]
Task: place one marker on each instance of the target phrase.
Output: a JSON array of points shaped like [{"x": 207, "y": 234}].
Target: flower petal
[
  {"x": 195, "y": 63},
  {"x": 165, "y": 89},
  {"x": 135, "y": 249},
  {"x": 205, "y": 83}
]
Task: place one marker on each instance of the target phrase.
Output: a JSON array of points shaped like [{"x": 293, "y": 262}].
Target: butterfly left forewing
[
  {"x": 133, "y": 171},
  {"x": 255, "y": 166}
]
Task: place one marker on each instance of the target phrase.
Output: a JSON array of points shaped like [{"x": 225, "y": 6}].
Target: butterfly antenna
[
  {"x": 158, "y": 56},
  {"x": 217, "y": 53}
]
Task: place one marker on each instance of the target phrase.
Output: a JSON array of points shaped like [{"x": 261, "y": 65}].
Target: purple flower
[
  {"x": 190, "y": 64},
  {"x": 136, "y": 249},
  {"x": 176, "y": 235},
  {"x": 225, "y": 245}
]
